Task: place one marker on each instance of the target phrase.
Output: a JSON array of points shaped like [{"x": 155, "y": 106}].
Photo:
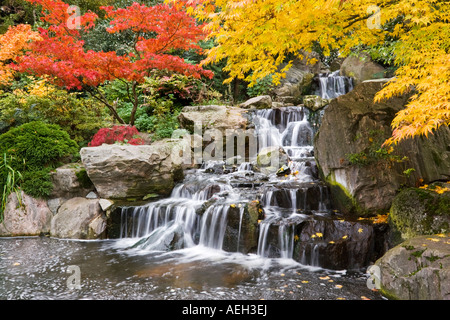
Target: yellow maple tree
[
  {"x": 261, "y": 37},
  {"x": 12, "y": 43}
]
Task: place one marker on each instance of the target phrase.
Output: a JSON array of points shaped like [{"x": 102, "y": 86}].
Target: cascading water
[
  {"x": 288, "y": 197},
  {"x": 333, "y": 85}
]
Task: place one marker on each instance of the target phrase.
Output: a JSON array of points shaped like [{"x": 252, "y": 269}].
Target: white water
[
  {"x": 154, "y": 225},
  {"x": 334, "y": 85}
]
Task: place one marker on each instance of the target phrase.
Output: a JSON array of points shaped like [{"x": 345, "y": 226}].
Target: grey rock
[
  {"x": 79, "y": 218},
  {"x": 29, "y": 217},
  {"x": 128, "y": 171},
  {"x": 361, "y": 68},
  {"x": 417, "y": 269},
  {"x": 354, "y": 127},
  {"x": 260, "y": 102}
]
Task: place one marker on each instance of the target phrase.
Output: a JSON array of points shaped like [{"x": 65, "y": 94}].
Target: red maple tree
[{"x": 157, "y": 31}]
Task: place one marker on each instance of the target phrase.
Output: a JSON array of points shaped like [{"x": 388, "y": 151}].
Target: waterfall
[
  {"x": 289, "y": 128},
  {"x": 199, "y": 210},
  {"x": 333, "y": 85}
]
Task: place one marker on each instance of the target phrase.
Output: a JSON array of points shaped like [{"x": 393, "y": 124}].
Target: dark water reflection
[{"x": 37, "y": 268}]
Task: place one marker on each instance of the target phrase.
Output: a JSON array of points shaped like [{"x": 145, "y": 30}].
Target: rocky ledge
[{"x": 417, "y": 269}]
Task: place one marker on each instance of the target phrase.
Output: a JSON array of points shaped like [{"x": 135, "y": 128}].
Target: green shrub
[
  {"x": 37, "y": 183},
  {"x": 34, "y": 149},
  {"x": 36, "y": 100}
]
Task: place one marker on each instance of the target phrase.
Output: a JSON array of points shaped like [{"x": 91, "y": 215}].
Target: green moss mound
[{"x": 34, "y": 149}]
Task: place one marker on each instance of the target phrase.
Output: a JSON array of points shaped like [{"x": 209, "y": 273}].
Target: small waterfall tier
[{"x": 333, "y": 85}]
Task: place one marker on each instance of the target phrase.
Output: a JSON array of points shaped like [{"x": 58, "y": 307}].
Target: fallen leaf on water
[
  {"x": 433, "y": 239},
  {"x": 364, "y": 298},
  {"x": 331, "y": 242},
  {"x": 441, "y": 235},
  {"x": 282, "y": 274},
  {"x": 324, "y": 278},
  {"x": 305, "y": 281},
  {"x": 338, "y": 286},
  {"x": 16, "y": 264},
  {"x": 340, "y": 298}
]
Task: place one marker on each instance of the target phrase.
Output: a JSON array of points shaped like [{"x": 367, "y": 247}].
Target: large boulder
[
  {"x": 362, "y": 179},
  {"x": 219, "y": 132},
  {"x": 361, "y": 68},
  {"x": 259, "y": 102},
  {"x": 70, "y": 180},
  {"x": 27, "y": 217},
  {"x": 420, "y": 211},
  {"x": 128, "y": 171},
  {"x": 241, "y": 234},
  {"x": 417, "y": 269},
  {"x": 298, "y": 79},
  {"x": 336, "y": 244},
  {"x": 212, "y": 117},
  {"x": 79, "y": 218}
]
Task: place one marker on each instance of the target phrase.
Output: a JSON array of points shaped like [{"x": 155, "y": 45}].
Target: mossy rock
[{"x": 420, "y": 211}]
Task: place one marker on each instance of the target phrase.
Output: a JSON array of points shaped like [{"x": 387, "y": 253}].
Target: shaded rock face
[
  {"x": 417, "y": 269},
  {"x": 327, "y": 243},
  {"x": 79, "y": 218},
  {"x": 298, "y": 79},
  {"x": 363, "y": 181},
  {"x": 361, "y": 68},
  {"x": 336, "y": 244},
  {"x": 127, "y": 171},
  {"x": 70, "y": 181},
  {"x": 416, "y": 212},
  {"x": 30, "y": 217}
]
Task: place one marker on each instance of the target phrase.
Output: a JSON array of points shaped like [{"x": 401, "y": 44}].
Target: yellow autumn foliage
[{"x": 256, "y": 37}]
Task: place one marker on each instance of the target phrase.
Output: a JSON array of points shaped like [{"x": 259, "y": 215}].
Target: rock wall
[{"x": 362, "y": 180}]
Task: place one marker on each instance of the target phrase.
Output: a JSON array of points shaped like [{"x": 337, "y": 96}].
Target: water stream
[{"x": 198, "y": 243}]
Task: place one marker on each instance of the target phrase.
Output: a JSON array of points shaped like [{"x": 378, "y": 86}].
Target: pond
[{"x": 41, "y": 268}]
